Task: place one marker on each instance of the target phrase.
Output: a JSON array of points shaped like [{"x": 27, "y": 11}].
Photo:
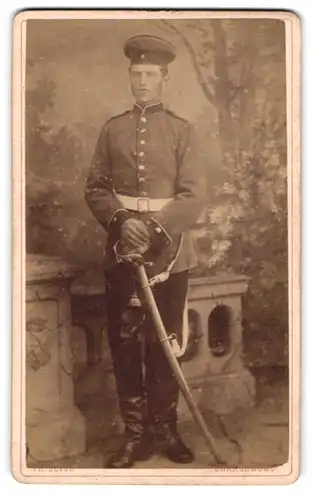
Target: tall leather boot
[{"x": 136, "y": 444}]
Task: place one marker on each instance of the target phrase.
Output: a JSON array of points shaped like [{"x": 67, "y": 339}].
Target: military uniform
[{"x": 146, "y": 164}]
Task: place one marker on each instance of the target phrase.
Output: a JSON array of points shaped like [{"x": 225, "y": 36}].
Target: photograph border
[{"x": 285, "y": 474}]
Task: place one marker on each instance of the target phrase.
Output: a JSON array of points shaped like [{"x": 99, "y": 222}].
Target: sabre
[
  {"x": 138, "y": 262},
  {"x": 166, "y": 344}
]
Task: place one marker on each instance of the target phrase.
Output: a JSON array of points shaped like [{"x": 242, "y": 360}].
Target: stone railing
[{"x": 215, "y": 370}]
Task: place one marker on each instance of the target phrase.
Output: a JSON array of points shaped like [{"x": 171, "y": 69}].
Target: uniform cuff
[
  {"x": 159, "y": 236},
  {"x": 117, "y": 219}
]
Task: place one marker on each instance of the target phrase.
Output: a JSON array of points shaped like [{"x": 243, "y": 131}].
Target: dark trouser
[{"x": 147, "y": 389}]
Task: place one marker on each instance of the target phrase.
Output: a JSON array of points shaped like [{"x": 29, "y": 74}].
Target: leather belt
[{"x": 142, "y": 204}]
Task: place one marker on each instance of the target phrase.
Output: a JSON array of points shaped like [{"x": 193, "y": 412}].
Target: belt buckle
[{"x": 143, "y": 205}]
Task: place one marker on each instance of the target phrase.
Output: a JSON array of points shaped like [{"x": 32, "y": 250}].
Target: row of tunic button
[{"x": 141, "y": 154}]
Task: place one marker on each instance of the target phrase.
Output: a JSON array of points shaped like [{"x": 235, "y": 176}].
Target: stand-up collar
[{"x": 149, "y": 108}]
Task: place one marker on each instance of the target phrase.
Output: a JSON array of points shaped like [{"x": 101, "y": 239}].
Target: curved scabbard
[{"x": 166, "y": 344}]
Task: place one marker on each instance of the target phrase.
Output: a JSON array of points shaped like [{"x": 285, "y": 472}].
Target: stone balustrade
[{"x": 215, "y": 370}]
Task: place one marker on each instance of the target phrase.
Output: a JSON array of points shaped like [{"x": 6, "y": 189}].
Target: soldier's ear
[
  {"x": 164, "y": 71},
  {"x": 166, "y": 77}
]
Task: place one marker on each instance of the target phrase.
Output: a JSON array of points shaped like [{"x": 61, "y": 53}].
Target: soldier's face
[{"x": 147, "y": 82}]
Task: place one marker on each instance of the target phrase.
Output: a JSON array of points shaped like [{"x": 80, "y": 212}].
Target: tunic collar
[{"x": 149, "y": 108}]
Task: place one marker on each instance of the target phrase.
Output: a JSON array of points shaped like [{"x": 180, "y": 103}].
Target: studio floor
[{"x": 257, "y": 438}]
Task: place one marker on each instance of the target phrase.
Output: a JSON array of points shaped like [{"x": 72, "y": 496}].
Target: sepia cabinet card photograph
[{"x": 156, "y": 247}]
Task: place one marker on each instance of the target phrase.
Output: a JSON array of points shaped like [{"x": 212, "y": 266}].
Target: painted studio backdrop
[{"x": 229, "y": 80}]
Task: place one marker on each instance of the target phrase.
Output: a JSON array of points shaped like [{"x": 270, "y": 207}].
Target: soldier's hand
[{"x": 135, "y": 233}]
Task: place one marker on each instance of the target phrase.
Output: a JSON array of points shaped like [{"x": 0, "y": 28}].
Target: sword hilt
[{"x": 130, "y": 257}]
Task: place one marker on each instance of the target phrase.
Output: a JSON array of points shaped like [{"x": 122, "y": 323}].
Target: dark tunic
[{"x": 149, "y": 153}]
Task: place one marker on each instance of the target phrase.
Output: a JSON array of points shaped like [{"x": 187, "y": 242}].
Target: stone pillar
[
  {"x": 218, "y": 378},
  {"x": 55, "y": 428}
]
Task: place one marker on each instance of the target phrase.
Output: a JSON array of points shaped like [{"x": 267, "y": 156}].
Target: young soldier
[{"x": 146, "y": 186}]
